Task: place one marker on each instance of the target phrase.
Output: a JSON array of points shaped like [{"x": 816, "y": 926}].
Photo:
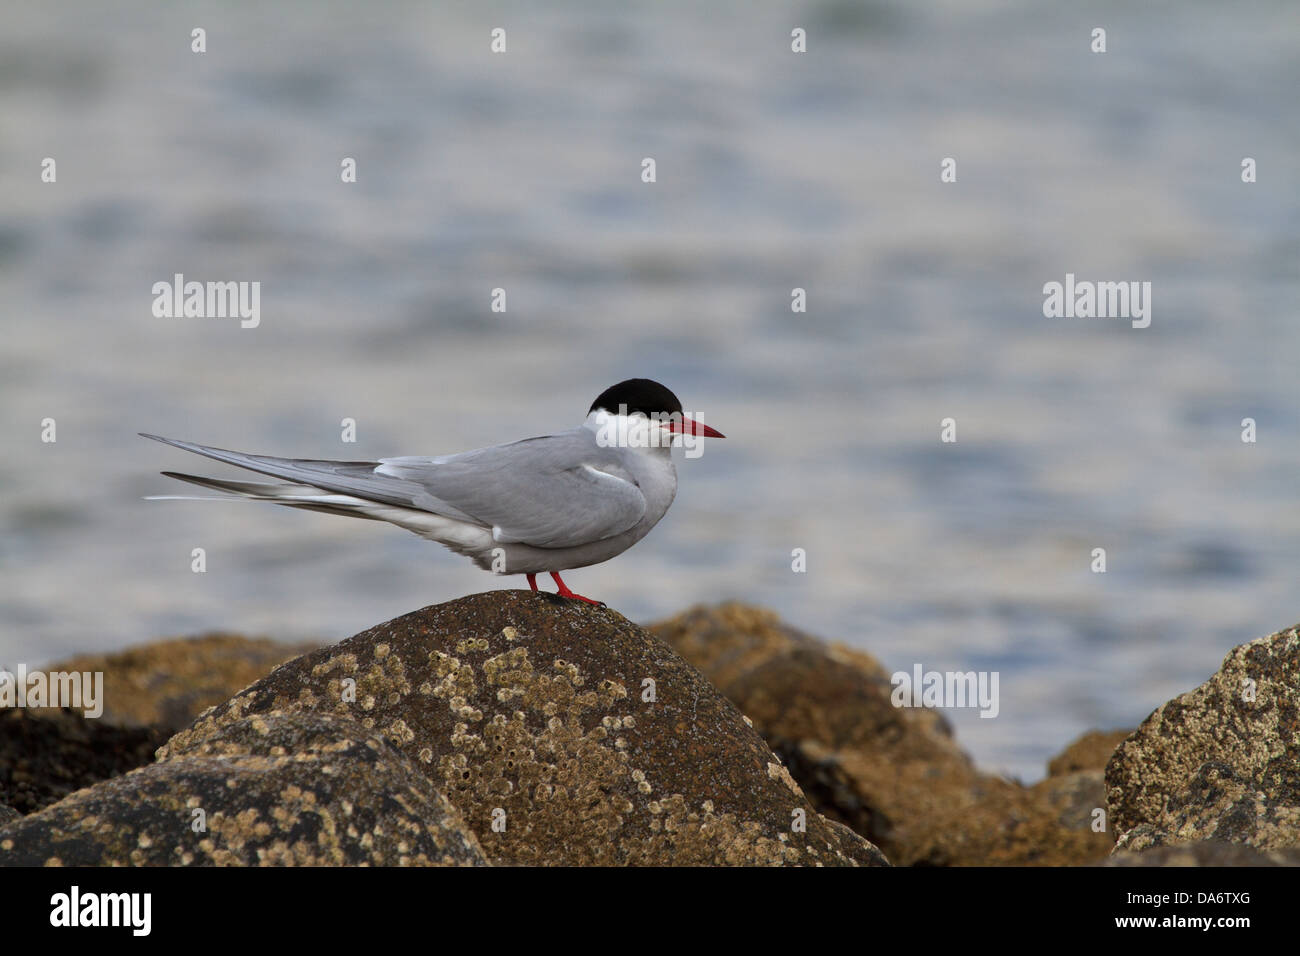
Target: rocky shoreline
[{"x": 514, "y": 728}]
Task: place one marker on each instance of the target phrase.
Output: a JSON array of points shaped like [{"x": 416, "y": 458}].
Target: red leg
[
  {"x": 565, "y": 592},
  {"x": 532, "y": 581}
]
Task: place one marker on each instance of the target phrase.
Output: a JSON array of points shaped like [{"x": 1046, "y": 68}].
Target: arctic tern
[{"x": 551, "y": 504}]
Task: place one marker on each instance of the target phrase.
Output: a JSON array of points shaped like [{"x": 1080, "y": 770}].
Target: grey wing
[
  {"x": 553, "y": 492},
  {"x": 357, "y": 478}
]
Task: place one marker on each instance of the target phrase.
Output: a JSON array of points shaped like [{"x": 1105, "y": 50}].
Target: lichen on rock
[
  {"x": 563, "y": 733},
  {"x": 274, "y": 789},
  {"x": 1221, "y": 762}
]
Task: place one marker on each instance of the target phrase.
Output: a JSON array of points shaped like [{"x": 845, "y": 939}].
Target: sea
[{"x": 837, "y": 257}]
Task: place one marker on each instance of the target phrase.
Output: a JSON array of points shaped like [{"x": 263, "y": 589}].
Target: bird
[{"x": 548, "y": 504}]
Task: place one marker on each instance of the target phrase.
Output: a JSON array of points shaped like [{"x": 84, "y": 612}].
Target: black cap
[{"x": 639, "y": 395}]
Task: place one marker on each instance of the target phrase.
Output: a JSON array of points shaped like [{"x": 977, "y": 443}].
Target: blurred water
[{"x": 774, "y": 171}]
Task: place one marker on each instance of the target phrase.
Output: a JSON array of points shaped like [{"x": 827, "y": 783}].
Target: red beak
[{"x": 689, "y": 426}]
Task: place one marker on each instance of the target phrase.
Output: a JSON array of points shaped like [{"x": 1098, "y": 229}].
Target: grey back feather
[{"x": 553, "y": 492}]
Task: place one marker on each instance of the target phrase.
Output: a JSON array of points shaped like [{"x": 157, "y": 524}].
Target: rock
[
  {"x": 276, "y": 789},
  {"x": 1076, "y": 781},
  {"x": 149, "y": 693},
  {"x": 563, "y": 733},
  {"x": 47, "y": 754},
  {"x": 731, "y": 639},
  {"x": 8, "y": 815},
  {"x": 1221, "y": 762},
  {"x": 893, "y": 774},
  {"x": 1076, "y": 798},
  {"x": 1204, "y": 853},
  {"x": 999, "y": 822},
  {"x": 1089, "y": 752},
  {"x": 170, "y": 682}
]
